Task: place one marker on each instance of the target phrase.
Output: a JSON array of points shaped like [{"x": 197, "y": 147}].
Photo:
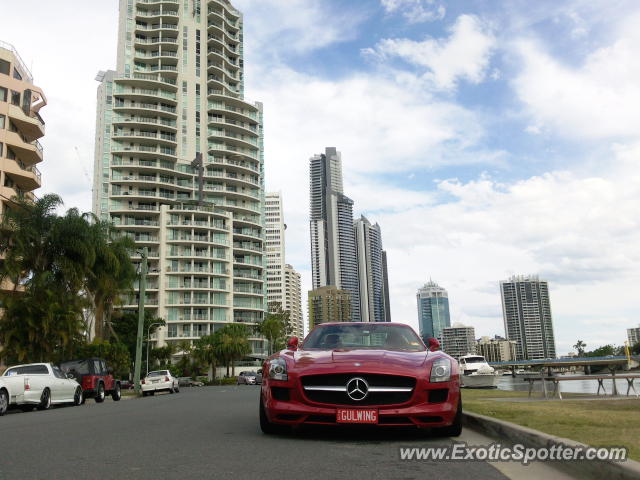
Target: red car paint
[{"x": 431, "y": 404}]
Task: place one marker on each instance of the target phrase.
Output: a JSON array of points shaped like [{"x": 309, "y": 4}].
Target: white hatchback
[{"x": 158, "y": 381}]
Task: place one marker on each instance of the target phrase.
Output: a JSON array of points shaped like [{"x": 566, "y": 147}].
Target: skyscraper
[
  {"x": 333, "y": 246},
  {"x": 371, "y": 271},
  {"x": 633, "y": 335},
  {"x": 293, "y": 300},
  {"x": 433, "y": 310},
  {"x": 526, "y": 310},
  {"x": 179, "y": 163},
  {"x": 274, "y": 250}
]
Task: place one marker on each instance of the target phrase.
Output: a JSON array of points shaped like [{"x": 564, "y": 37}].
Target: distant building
[
  {"x": 328, "y": 304},
  {"x": 274, "y": 250},
  {"x": 433, "y": 310},
  {"x": 371, "y": 271},
  {"x": 496, "y": 349},
  {"x": 459, "y": 340},
  {"x": 633, "y": 334},
  {"x": 526, "y": 310},
  {"x": 385, "y": 274},
  {"x": 293, "y": 300},
  {"x": 333, "y": 247}
]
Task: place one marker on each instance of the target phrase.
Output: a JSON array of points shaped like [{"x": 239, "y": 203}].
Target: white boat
[{"x": 475, "y": 372}]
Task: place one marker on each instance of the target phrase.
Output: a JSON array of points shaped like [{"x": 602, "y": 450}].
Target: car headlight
[
  {"x": 278, "y": 369},
  {"x": 441, "y": 370}
]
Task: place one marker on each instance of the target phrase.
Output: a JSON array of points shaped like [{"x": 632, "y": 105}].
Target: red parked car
[
  {"x": 373, "y": 373},
  {"x": 95, "y": 378}
]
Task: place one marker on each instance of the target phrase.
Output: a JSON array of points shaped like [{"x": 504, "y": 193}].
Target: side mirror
[
  {"x": 434, "y": 344},
  {"x": 292, "y": 344}
]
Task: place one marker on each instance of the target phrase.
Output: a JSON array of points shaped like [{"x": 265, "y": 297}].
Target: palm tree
[
  {"x": 111, "y": 274},
  {"x": 205, "y": 352},
  {"x": 580, "y": 346},
  {"x": 275, "y": 328},
  {"x": 240, "y": 346}
]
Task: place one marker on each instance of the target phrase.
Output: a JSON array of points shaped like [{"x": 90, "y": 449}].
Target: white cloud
[
  {"x": 296, "y": 26},
  {"x": 594, "y": 100},
  {"x": 465, "y": 54},
  {"x": 416, "y": 11}
]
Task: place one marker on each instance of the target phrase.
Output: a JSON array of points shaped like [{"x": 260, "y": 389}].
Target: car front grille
[{"x": 383, "y": 389}]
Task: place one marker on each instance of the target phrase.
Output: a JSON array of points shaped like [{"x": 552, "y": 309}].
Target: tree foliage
[
  {"x": 580, "y": 346},
  {"x": 59, "y": 267},
  {"x": 276, "y": 328}
]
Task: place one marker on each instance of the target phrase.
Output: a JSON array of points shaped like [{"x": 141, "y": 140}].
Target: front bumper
[{"x": 423, "y": 409}]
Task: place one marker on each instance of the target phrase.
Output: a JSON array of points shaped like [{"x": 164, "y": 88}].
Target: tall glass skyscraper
[
  {"x": 333, "y": 245},
  {"x": 433, "y": 310},
  {"x": 179, "y": 164}
]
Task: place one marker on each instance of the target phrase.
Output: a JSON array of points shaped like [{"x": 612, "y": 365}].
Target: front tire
[
  {"x": 78, "y": 397},
  {"x": 455, "y": 429},
  {"x": 100, "y": 393},
  {"x": 4, "y": 402},
  {"x": 116, "y": 393},
  {"x": 45, "y": 400},
  {"x": 266, "y": 426}
]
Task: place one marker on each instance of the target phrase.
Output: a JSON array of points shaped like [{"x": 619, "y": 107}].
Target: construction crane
[{"x": 84, "y": 169}]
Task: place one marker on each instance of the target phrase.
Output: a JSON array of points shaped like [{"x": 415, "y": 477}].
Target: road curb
[{"x": 513, "y": 433}]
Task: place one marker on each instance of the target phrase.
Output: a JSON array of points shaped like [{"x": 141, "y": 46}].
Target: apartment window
[
  {"x": 15, "y": 98},
  {"x": 2, "y": 120},
  {"x": 3, "y": 94},
  {"x": 1, "y": 149},
  {"x": 5, "y": 67},
  {"x": 16, "y": 74}
]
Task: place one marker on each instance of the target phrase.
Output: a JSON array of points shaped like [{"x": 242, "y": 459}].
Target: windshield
[
  {"x": 371, "y": 336},
  {"x": 79, "y": 367},
  {"x": 158, "y": 373}
]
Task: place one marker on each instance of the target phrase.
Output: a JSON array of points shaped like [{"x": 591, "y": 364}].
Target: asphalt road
[{"x": 208, "y": 432}]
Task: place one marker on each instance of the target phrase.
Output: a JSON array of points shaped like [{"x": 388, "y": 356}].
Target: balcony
[{"x": 31, "y": 127}]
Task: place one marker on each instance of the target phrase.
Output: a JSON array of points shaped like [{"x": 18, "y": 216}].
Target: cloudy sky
[{"x": 487, "y": 138}]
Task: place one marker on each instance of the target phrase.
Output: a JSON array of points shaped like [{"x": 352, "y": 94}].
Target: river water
[{"x": 519, "y": 383}]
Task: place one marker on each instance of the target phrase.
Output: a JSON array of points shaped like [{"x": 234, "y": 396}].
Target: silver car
[{"x": 248, "y": 378}]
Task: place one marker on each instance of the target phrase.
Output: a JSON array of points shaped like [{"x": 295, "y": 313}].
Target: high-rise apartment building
[
  {"x": 526, "y": 310},
  {"x": 372, "y": 276},
  {"x": 496, "y": 349},
  {"x": 333, "y": 246},
  {"x": 433, "y": 310},
  {"x": 179, "y": 164},
  {"x": 274, "y": 250},
  {"x": 293, "y": 300},
  {"x": 329, "y": 304},
  {"x": 20, "y": 128},
  {"x": 633, "y": 335},
  {"x": 459, "y": 340}
]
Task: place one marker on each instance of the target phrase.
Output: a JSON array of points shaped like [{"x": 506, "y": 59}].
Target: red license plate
[{"x": 361, "y": 415}]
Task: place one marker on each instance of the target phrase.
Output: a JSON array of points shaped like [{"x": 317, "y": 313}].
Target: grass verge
[{"x": 599, "y": 423}]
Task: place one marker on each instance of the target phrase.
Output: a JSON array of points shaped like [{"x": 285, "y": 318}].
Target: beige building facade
[
  {"x": 20, "y": 128},
  {"x": 328, "y": 304},
  {"x": 293, "y": 300},
  {"x": 496, "y": 349}
]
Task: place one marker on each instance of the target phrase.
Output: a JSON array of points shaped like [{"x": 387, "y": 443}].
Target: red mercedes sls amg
[{"x": 366, "y": 373}]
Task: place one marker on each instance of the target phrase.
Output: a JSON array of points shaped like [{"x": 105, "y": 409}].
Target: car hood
[{"x": 364, "y": 357}]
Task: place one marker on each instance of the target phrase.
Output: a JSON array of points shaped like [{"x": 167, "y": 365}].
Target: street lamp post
[
  {"x": 148, "y": 338},
  {"x": 143, "y": 284}
]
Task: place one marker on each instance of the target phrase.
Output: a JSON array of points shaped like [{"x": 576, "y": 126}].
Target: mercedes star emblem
[{"x": 357, "y": 389}]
